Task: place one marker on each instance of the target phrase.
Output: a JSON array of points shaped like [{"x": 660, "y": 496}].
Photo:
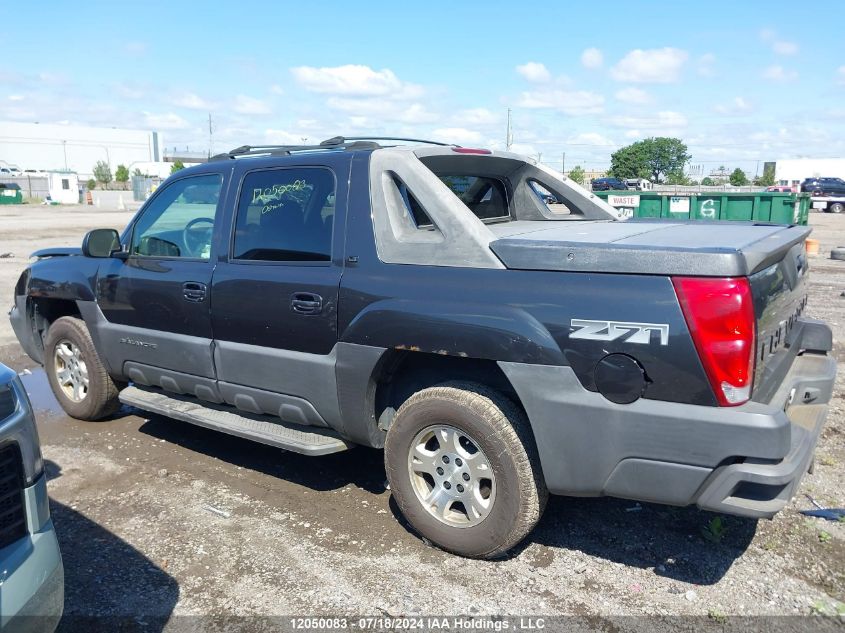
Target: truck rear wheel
[
  {"x": 77, "y": 377},
  {"x": 836, "y": 207},
  {"x": 463, "y": 469}
]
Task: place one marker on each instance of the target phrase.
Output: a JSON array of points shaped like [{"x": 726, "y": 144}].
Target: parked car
[
  {"x": 30, "y": 562},
  {"x": 605, "y": 184},
  {"x": 425, "y": 301},
  {"x": 824, "y": 186},
  {"x": 781, "y": 188}
]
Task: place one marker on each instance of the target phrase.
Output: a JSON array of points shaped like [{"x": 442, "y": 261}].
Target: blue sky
[{"x": 740, "y": 82}]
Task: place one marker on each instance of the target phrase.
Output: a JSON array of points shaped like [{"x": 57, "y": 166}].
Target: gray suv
[{"x": 31, "y": 572}]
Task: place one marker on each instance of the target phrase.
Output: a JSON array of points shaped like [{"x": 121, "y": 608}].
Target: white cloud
[
  {"x": 458, "y": 135},
  {"x": 191, "y": 101},
  {"x": 250, "y": 105},
  {"x": 633, "y": 134},
  {"x": 706, "y": 65},
  {"x": 534, "y": 72},
  {"x": 738, "y": 105},
  {"x": 574, "y": 102},
  {"x": 385, "y": 109},
  {"x": 135, "y": 49},
  {"x": 477, "y": 116},
  {"x": 526, "y": 149},
  {"x": 657, "y": 65},
  {"x": 16, "y": 97},
  {"x": 282, "y": 137},
  {"x": 779, "y": 46},
  {"x": 353, "y": 80},
  {"x": 779, "y": 73},
  {"x": 167, "y": 121},
  {"x": 276, "y": 89},
  {"x": 840, "y": 75},
  {"x": 782, "y": 47},
  {"x": 131, "y": 91},
  {"x": 633, "y": 95},
  {"x": 664, "y": 120},
  {"x": 592, "y": 58},
  {"x": 591, "y": 139}
]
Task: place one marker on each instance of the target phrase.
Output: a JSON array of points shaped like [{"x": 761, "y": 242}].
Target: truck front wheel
[
  {"x": 463, "y": 469},
  {"x": 77, "y": 377}
]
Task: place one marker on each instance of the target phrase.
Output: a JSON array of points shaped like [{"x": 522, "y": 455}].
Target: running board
[{"x": 261, "y": 428}]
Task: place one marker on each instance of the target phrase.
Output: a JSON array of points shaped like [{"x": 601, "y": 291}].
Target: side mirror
[{"x": 101, "y": 243}]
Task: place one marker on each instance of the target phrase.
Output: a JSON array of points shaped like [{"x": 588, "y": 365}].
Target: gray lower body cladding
[{"x": 745, "y": 460}]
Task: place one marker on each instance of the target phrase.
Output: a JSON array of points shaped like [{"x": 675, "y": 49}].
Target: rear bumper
[{"x": 745, "y": 460}]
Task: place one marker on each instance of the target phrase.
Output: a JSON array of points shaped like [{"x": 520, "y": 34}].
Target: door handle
[
  {"x": 194, "y": 291},
  {"x": 306, "y": 303}
]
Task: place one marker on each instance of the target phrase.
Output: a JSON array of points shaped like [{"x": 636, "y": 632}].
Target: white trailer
[{"x": 829, "y": 204}]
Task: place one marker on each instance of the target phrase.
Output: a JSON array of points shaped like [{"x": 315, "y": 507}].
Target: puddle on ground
[{"x": 38, "y": 389}]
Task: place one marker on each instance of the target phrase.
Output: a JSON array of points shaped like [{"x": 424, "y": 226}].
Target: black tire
[
  {"x": 838, "y": 253},
  {"x": 836, "y": 207},
  {"x": 100, "y": 400},
  {"x": 502, "y": 433}
]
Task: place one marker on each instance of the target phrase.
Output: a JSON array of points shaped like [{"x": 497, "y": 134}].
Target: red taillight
[
  {"x": 720, "y": 317},
  {"x": 470, "y": 150}
]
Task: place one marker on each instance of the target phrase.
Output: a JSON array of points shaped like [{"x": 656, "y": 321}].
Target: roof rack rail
[{"x": 334, "y": 143}]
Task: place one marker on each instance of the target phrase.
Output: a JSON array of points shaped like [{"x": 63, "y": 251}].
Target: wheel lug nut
[
  {"x": 466, "y": 476},
  {"x": 447, "y": 485},
  {"x": 445, "y": 459},
  {"x": 439, "y": 470},
  {"x": 458, "y": 462},
  {"x": 460, "y": 488}
]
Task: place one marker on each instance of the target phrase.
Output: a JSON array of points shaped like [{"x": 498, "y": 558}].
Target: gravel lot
[{"x": 158, "y": 518}]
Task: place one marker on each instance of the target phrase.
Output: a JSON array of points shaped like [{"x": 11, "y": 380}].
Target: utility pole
[
  {"x": 509, "y": 133},
  {"x": 563, "y": 164},
  {"x": 540, "y": 157},
  {"x": 210, "y": 137}
]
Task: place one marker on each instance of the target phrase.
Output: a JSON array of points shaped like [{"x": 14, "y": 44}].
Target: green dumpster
[
  {"x": 759, "y": 206},
  {"x": 10, "y": 193}
]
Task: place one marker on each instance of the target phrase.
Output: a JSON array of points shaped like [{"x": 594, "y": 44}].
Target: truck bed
[{"x": 645, "y": 247}]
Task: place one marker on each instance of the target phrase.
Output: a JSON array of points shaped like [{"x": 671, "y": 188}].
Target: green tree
[
  {"x": 91, "y": 184},
  {"x": 767, "y": 179},
  {"x": 121, "y": 174},
  {"x": 176, "y": 166},
  {"x": 577, "y": 174},
  {"x": 677, "y": 178},
  {"x": 707, "y": 181},
  {"x": 137, "y": 172},
  {"x": 738, "y": 178},
  {"x": 102, "y": 172},
  {"x": 652, "y": 158}
]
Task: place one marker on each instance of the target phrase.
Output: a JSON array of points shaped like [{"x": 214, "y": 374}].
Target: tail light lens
[{"x": 720, "y": 317}]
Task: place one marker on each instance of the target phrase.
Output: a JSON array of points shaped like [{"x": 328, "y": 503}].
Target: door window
[
  {"x": 179, "y": 222},
  {"x": 286, "y": 215}
]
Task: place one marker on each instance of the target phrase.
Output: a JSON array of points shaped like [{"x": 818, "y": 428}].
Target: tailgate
[{"x": 780, "y": 295}]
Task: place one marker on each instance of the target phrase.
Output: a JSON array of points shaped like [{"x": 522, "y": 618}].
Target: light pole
[{"x": 64, "y": 149}]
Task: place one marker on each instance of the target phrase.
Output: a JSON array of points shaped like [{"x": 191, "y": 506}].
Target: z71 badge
[{"x": 639, "y": 333}]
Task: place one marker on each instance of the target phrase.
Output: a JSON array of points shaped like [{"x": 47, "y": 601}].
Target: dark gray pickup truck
[{"x": 497, "y": 329}]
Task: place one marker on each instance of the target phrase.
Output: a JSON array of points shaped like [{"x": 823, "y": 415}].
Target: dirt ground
[{"x": 159, "y": 518}]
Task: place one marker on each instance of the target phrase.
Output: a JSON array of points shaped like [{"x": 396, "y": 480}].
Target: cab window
[
  {"x": 286, "y": 215},
  {"x": 179, "y": 222}
]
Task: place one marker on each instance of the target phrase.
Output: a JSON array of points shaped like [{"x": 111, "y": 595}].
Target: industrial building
[
  {"x": 792, "y": 171},
  {"x": 76, "y": 148}
]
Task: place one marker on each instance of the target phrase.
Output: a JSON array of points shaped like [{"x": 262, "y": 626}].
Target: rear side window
[{"x": 286, "y": 215}]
